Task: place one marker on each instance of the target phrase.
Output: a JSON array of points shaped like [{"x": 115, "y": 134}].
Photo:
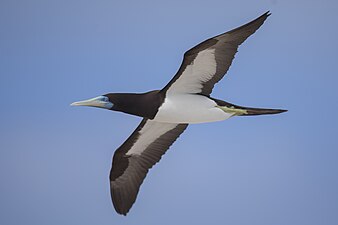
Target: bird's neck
[{"x": 143, "y": 105}]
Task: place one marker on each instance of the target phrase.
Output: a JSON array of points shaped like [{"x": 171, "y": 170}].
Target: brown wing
[
  {"x": 132, "y": 160},
  {"x": 206, "y": 64}
]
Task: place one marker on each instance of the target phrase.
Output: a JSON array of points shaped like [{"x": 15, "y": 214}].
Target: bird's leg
[{"x": 232, "y": 110}]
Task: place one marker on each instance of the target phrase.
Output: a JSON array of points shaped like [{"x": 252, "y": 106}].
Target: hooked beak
[{"x": 100, "y": 102}]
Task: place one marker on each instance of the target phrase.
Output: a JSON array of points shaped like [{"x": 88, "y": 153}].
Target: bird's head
[{"x": 103, "y": 101}]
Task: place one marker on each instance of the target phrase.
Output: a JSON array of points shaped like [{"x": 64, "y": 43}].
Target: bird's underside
[{"x": 167, "y": 113}]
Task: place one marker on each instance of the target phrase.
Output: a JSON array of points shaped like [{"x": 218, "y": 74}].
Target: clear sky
[{"x": 55, "y": 159}]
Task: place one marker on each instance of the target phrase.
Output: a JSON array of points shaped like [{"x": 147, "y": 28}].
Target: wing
[
  {"x": 206, "y": 64},
  {"x": 132, "y": 160}
]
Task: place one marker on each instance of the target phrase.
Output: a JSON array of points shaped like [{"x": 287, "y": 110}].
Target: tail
[
  {"x": 258, "y": 111},
  {"x": 245, "y": 111}
]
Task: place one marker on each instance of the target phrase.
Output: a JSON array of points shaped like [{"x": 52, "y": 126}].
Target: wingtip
[
  {"x": 265, "y": 15},
  {"x": 122, "y": 212},
  {"x": 121, "y": 207}
]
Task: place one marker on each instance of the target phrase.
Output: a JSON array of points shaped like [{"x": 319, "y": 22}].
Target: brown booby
[{"x": 167, "y": 112}]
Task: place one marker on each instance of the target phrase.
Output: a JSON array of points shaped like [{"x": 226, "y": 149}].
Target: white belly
[{"x": 189, "y": 108}]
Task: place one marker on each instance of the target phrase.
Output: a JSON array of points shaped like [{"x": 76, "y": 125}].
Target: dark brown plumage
[{"x": 128, "y": 172}]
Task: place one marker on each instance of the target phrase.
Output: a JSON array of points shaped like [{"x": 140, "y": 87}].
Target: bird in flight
[{"x": 167, "y": 112}]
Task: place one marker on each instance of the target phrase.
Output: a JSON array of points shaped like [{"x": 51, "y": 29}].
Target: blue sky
[{"x": 55, "y": 159}]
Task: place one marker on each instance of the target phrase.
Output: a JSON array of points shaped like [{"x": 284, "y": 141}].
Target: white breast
[{"x": 189, "y": 108}]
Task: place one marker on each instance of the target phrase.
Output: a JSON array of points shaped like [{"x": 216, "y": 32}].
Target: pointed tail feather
[
  {"x": 258, "y": 111},
  {"x": 245, "y": 111}
]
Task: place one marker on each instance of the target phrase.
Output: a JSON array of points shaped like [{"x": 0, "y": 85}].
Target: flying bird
[{"x": 167, "y": 112}]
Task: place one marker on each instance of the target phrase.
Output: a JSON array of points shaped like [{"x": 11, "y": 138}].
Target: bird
[{"x": 167, "y": 112}]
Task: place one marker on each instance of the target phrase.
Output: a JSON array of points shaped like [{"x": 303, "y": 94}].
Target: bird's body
[
  {"x": 167, "y": 112},
  {"x": 190, "y": 108}
]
